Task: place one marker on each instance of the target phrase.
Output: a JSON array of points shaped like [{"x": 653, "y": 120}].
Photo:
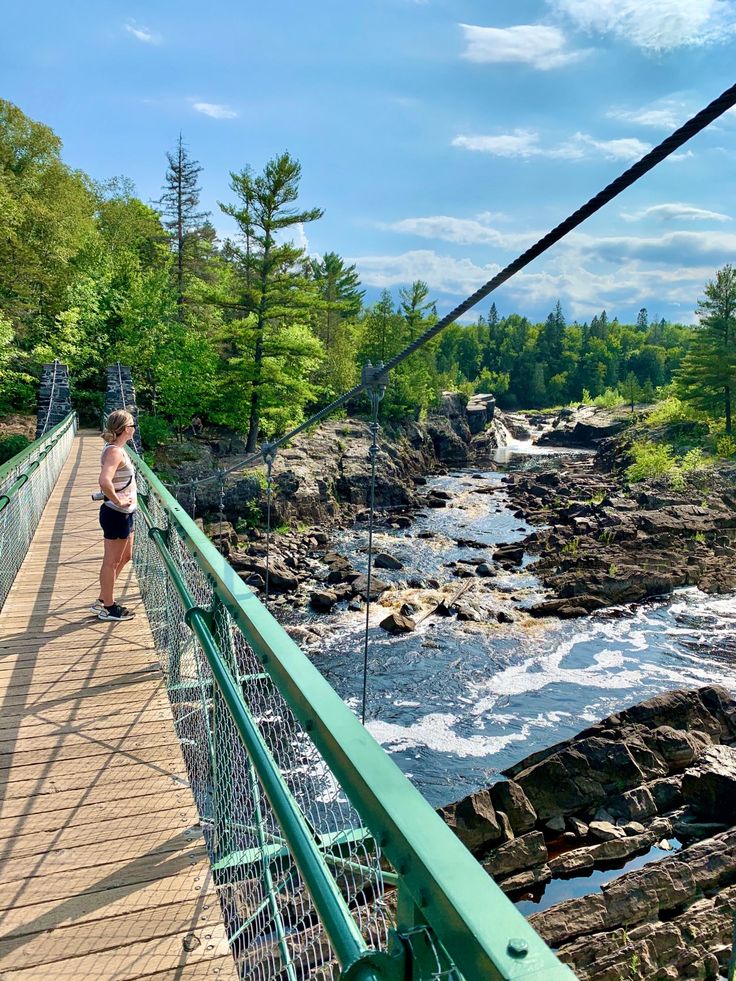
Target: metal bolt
[{"x": 517, "y": 948}]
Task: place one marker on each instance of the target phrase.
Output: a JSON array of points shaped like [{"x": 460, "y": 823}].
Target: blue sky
[{"x": 440, "y": 137}]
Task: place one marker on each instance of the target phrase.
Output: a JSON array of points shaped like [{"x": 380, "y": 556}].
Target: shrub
[
  {"x": 726, "y": 446},
  {"x": 609, "y": 399},
  {"x": 651, "y": 460},
  {"x": 694, "y": 460},
  {"x": 154, "y": 431},
  {"x": 10, "y": 445}
]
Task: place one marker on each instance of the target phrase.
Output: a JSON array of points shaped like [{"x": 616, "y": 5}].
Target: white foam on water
[{"x": 434, "y": 731}]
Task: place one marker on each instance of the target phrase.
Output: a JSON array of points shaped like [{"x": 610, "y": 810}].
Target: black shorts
[{"x": 115, "y": 524}]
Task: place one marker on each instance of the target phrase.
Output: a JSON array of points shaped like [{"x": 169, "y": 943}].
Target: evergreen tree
[
  {"x": 707, "y": 375},
  {"x": 273, "y": 284},
  {"x": 182, "y": 217},
  {"x": 415, "y": 307}
]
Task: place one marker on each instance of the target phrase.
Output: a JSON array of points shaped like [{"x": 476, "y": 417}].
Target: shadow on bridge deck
[{"x": 103, "y": 869}]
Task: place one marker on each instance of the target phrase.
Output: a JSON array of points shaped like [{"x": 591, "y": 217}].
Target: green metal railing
[
  {"x": 26, "y": 481},
  {"x": 329, "y": 864}
]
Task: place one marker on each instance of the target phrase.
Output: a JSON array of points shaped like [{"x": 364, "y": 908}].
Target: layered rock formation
[{"x": 660, "y": 772}]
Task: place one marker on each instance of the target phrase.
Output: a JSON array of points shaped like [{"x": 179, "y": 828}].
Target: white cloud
[
  {"x": 667, "y": 114},
  {"x": 462, "y": 231},
  {"x": 520, "y": 143},
  {"x": 215, "y": 110},
  {"x": 525, "y": 143},
  {"x": 675, "y": 211},
  {"x": 529, "y": 44},
  {"x": 442, "y": 273},
  {"x": 142, "y": 33},
  {"x": 654, "y": 25}
]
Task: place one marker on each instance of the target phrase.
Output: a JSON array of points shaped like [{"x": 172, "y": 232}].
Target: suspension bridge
[{"x": 183, "y": 795}]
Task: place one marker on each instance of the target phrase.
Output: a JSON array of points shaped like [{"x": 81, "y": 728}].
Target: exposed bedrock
[{"x": 644, "y": 780}]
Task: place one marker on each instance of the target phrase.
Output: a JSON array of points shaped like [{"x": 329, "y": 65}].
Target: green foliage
[
  {"x": 11, "y": 445},
  {"x": 694, "y": 460},
  {"x": 154, "y": 430},
  {"x": 726, "y": 446},
  {"x": 609, "y": 399},
  {"x": 652, "y": 460},
  {"x": 707, "y": 376}
]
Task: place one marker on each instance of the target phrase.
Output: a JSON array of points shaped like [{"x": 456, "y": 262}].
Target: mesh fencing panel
[
  {"x": 272, "y": 923},
  {"x": 24, "y": 504}
]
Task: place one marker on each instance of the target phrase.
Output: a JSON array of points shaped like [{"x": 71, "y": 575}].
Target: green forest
[{"x": 254, "y": 334}]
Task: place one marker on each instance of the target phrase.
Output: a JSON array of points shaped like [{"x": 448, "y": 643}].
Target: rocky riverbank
[
  {"x": 605, "y": 542},
  {"x": 640, "y": 783}
]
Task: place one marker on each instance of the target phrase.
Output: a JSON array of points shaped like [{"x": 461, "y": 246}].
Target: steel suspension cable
[
  {"x": 51, "y": 401},
  {"x": 668, "y": 146}
]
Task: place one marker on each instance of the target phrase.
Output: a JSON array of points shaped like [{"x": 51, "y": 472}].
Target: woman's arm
[{"x": 110, "y": 463}]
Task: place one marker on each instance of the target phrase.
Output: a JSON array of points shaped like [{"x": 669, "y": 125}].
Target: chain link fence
[
  {"x": 273, "y": 925},
  {"x": 26, "y": 481}
]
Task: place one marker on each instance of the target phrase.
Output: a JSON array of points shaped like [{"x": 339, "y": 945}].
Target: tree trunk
[{"x": 727, "y": 399}]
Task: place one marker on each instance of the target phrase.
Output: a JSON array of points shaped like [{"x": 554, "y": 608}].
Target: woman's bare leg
[{"x": 114, "y": 550}]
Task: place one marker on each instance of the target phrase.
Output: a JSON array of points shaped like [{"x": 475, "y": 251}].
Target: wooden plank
[
  {"x": 29, "y": 820},
  {"x": 134, "y": 960},
  {"x": 61, "y": 886},
  {"x": 131, "y": 825},
  {"x": 87, "y": 907},
  {"x": 102, "y": 862}
]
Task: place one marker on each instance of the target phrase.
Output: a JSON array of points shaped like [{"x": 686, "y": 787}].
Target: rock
[
  {"x": 526, "y": 879},
  {"x": 382, "y": 560},
  {"x": 509, "y": 553},
  {"x": 507, "y": 796},
  {"x": 397, "y": 623},
  {"x": 710, "y": 786},
  {"x": 634, "y": 828},
  {"x": 485, "y": 570},
  {"x": 636, "y": 803},
  {"x": 679, "y": 749},
  {"x": 573, "y": 918},
  {"x": 521, "y": 853},
  {"x": 579, "y": 827},
  {"x": 605, "y": 831},
  {"x": 474, "y": 820},
  {"x": 555, "y": 825},
  {"x": 666, "y": 793},
  {"x": 323, "y": 599},
  {"x": 360, "y": 586},
  {"x": 281, "y": 579}
]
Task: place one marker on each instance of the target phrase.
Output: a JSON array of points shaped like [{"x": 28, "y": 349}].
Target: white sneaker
[
  {"x": 97, "y": 607},
  {"x": 115, "y": 612}
]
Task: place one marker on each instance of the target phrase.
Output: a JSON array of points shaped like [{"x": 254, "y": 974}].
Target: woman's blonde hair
[{"x": 116, "y": 423}]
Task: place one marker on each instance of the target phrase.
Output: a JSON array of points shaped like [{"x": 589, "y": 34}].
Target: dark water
[{"x": 455, "y": 703}]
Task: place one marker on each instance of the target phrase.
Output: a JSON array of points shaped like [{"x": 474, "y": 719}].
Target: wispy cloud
[
  {"x": 442, "y": 273},
  {"x": 666, "y": 114},
  {"x": 462, "y": 231},
  {"x": 674, "y": 211},
  {"x": 215, "y": 110},
  {"x": 142, "y": 33},
  {"x": 526, "y": 143},
  {"x": 654, "y": 25},
  {"x": 529, "y": 44}
]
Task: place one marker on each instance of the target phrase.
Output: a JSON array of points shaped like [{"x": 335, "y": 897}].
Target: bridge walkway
[{"x": 103, "y": 868}]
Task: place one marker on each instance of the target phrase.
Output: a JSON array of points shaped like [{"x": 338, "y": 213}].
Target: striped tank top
[{"x": 123, "y": 481}]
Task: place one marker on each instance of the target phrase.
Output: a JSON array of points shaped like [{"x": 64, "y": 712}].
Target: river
[{"x": 455, "y": 702}]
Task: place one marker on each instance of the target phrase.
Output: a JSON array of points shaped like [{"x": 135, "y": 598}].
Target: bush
[
  {"x": 10, "y": 445},
  {"x": 609, "y": 399},
  {"x": 694, "y": 460},
  {"x": 651, "y": 460},
  {"x": 726, "y": 446},
  {"x": 154, "y": 431}
]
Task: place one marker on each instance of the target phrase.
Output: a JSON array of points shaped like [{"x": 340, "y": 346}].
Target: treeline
[{"x": 251, "y": 333}]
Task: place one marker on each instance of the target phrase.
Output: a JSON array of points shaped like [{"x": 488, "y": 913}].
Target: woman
[{"x": 117, "y": 514}]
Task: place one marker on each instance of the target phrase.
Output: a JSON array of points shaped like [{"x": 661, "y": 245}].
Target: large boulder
[
  {"x": 474, "y": 820},
  {"x": 710, "y": 786}
]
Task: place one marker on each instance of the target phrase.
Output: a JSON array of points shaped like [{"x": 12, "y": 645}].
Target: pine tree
[
  {"x": 179, "y": 204},
  {"x": 415, "y": 307},
  {"x": 707, "y": 375},
  {"x": 271, "y": 271}
]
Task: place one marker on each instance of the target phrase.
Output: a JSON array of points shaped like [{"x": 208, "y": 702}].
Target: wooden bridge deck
[{"x": 103, "y": 869}]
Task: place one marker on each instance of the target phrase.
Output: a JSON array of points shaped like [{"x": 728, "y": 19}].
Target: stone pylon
[
  {"x": 54, "y": 400},
  {"x": 120, "y": 394}
]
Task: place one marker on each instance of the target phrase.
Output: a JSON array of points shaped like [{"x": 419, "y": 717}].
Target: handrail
[
  {"x": 481, "y": 930},
  {"x": 18, "y": 461}
]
